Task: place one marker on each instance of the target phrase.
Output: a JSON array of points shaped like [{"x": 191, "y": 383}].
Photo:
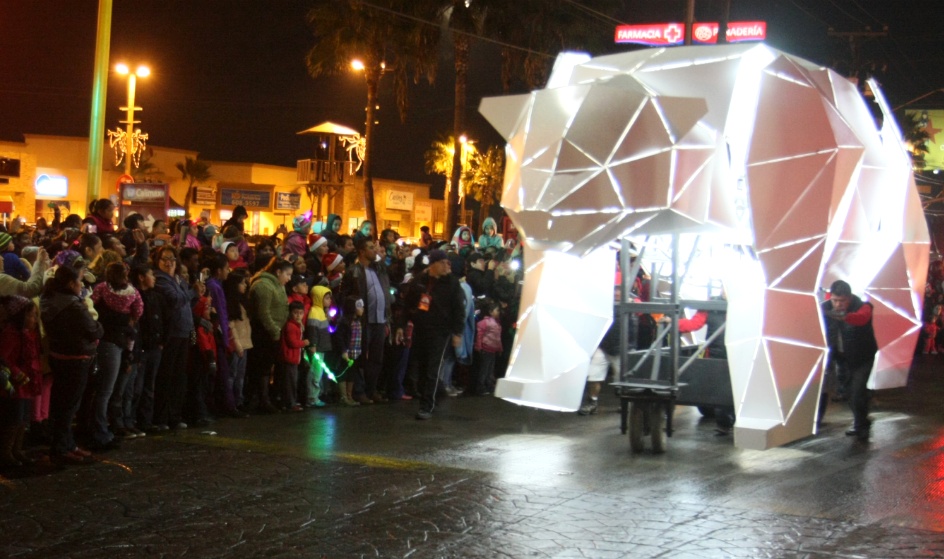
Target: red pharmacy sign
[{"x": 658, "y": 34}]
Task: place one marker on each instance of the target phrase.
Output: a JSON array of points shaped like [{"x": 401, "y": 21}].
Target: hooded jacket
[
  {"x": 70, "y": 328},
  {"x": 493, "y": 240},
  {"x": 329, "y": 232},
  {"x": 317, "y": 325}
]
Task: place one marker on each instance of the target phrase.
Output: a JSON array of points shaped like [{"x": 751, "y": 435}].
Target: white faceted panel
[{"x": 737, "y": 142}]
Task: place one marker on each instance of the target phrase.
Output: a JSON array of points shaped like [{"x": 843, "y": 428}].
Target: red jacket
[
  {"x": 303, "y": 299},
  {"x": 20, "y": 350},
  {"x": 292, "y": 343}
]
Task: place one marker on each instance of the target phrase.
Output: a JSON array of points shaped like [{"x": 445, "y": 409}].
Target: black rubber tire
[
  {"x": 657, "y": 422},
  {"x": 637, "y": 426},
  {"x": 706, "y": 411}
]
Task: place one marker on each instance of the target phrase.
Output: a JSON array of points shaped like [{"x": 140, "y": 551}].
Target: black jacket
[
  {"x": 447, "y": 306},
  {"x": 853, "y": 345},
  {"x": 69, "y": 325},
  {"x": 481, "y": 281},
  {"x": 151, "y": 326}
]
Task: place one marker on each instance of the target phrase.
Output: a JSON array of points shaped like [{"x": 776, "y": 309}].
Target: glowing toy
[{"x": 741, "y": 143}]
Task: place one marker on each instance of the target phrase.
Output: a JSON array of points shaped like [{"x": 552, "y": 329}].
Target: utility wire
[
  {"x": 460, "y": 32},
  {"x": 601, "y": 15}
]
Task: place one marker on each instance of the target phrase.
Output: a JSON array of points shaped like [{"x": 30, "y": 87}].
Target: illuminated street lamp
[
  {"x": 372, "y": 75},
  {"x": 131, "y": 142}
]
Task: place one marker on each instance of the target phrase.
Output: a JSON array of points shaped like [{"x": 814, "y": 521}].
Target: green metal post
[{"x": 99, "y": 93}]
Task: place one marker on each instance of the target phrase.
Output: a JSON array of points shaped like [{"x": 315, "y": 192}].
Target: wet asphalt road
[{"x": 486, "y": 478}]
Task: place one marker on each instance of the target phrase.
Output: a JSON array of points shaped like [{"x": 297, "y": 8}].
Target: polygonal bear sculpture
[{"x": 764, "y": 149}]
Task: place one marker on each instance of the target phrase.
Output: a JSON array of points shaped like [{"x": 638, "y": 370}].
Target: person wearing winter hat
[
  {"x": 318, "y": 245},
  {"x": 231, "y": 250},
  {"x": 295, "y": 242},
  {"x": 333, "y": 266}
]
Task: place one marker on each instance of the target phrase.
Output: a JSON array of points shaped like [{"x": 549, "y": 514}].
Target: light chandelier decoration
[{"x": 118, "y": 141}]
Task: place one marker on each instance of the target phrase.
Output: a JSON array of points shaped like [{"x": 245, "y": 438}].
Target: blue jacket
[
  {"x": 464, "y": 351},
  {"x": 177, "y": 296}
]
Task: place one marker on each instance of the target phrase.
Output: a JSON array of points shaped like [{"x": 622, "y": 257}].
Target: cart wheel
[
  {"x": 706, "y": 411},
  {"x": 657, "y": 422},
  {"x": 637, "y": 425}
]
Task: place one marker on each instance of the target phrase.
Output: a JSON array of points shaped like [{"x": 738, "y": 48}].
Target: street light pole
[{"x": 142, "y": 71}]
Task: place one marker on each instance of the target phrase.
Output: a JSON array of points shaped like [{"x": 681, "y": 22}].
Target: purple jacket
[{"x": 215, "y": 291}]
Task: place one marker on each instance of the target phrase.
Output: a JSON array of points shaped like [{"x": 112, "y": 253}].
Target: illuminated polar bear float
[{"x": 742, "y": 142}]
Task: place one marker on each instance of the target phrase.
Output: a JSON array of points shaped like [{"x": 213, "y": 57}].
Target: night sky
[{"x": 229, "y": 78}]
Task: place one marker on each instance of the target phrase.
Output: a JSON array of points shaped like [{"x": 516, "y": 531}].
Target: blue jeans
[
  {"x": 142, "y": 404},
  {"x": 237, "y": 372},
  {"x": 109, "y": 365}
]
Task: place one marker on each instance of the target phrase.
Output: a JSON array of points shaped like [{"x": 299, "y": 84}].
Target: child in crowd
[
  {"x": 138, "y": 398},
  {"x": 347, "y": 343},
  {"x": 488, "y": 345},
  {"x": 119, "y": 307},
  {"x": 19, "y": 351},
  {"x": 333, "y": 266},
  {"x": 297, "y": 290},
  {"x": 932, "y": 326},
  {"x": 240, "y": 332},
  {"x": 291, "y": 355},
  {"x": 205, "y": 369},
  {"x": 231, "y": 250},
  {"x": 319, "y": 334}
]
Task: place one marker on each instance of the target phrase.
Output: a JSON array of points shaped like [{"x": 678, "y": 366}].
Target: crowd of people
[{"x": 112, "y": 333}]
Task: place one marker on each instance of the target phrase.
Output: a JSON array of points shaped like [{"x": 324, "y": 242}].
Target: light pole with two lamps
[{"x": 133, "y": 140}]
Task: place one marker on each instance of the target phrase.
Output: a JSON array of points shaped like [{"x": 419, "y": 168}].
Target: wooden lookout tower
[{"x": 338, "y": 155}]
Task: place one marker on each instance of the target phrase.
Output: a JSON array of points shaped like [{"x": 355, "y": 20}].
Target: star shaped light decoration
[{"x": 735, "y": 142}]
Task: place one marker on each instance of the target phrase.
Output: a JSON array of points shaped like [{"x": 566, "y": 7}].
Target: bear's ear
[
  {"x": 563, "y": 69},
  {"x": 505, "y": 113}
]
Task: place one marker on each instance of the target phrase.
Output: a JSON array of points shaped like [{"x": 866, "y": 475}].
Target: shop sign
[
  {"x": 52, "y": 185},
  {"x": 423, "y": 211},
  {"x": 662, "y": 34},
  {"x": 204, "y": 196},
  {"x": 259, "y": 199},
  {"x": 737, "y": 31},
  {"x": 399, "y": 200},
  {"x": 144, "y": 193},
  {"x": 287, "y": 201},
  {"x": 658, "y": 34}
]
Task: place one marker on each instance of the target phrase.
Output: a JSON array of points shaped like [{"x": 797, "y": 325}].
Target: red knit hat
[{"x": 331, "y": 261}]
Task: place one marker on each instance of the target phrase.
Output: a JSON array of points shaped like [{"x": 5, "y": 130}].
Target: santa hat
[
  {"x": 331, "y": 261},
  {"x": 316, "y": 240}
]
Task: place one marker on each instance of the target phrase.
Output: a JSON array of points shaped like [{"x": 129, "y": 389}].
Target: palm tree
[
  {"x": 383, "y": 42},
  {"x": 916, "y": 137},
  {"x": 466, "y": 18},
  {"x": 488, "y": 174},
  {"x": 196, "y": 171},
  {"x": 440, "y": 158}
]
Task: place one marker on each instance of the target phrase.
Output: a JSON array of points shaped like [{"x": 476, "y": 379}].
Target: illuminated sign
[
  {"x": 144, "y": 193},
  {"x": 658, "y": 34},
  {"x": 397, "y": 200},
  {"x": 661, "y": 34},
  {"x": 256, "y": 199},
  {"x": 287, "y": 201},
  {"x": 52, "y": 185}
]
